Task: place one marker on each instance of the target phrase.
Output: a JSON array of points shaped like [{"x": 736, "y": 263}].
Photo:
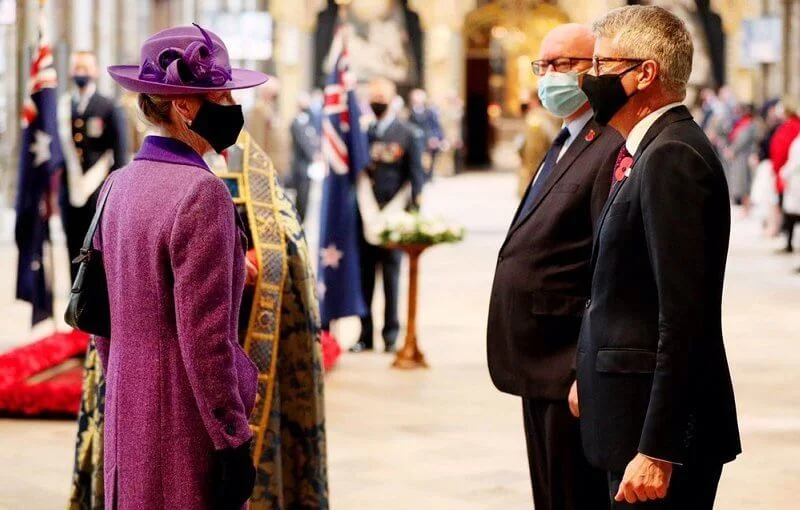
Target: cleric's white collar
[{"x": 643, "y": 126}]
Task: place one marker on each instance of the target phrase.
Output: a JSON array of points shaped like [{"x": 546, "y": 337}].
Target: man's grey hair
[{"x": 651, "y": 33}]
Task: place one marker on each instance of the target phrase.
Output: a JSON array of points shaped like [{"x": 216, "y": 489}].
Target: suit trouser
[
  {"x": 693, "y": 486},
  {"x": 389, "y": 261},
  {"x": 561, "y": 477},
  {"x": 76, "y": 221}
]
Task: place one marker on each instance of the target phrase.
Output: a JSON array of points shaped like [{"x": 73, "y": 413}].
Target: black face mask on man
[
  {"x": 606, "y": 94},
  {"x": 379, "y": 108},
  {"x": 81, "y": 80},
  {"x": 218, "y": 124}
]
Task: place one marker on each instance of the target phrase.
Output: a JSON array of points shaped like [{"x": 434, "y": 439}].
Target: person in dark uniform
[
  {"x": 425, "y": 118},
  {"x": 97, "y": 146},
  {"x": 305, "y": 150},
  {"x": 396, "y": 152}
]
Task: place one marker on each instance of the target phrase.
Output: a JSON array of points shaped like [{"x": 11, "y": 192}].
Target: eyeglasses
[
  {"x": 561, "y": 64},
  {"x": 598, "y": 62}
]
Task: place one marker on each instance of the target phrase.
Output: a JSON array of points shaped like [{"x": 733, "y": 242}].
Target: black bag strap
[{"x": 87, "y": 241}]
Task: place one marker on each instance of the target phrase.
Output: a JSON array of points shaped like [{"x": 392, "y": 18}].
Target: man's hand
[
  {"x": 644, "y": 479},
  {"x": 572, "y": 399}
]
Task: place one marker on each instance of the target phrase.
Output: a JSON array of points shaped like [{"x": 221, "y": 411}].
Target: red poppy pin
[{"x": 590, "y": 135}]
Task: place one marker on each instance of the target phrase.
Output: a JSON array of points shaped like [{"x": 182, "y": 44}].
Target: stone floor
[{"x": 444, "y": 438}]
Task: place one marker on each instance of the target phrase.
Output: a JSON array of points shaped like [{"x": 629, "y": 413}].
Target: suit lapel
[
  {"x": 583, "y": 140},
  {"x": 677, "y": 114}
]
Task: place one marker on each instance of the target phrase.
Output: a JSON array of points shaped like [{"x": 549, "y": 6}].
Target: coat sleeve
[
  {"x": 201, "y": 251},
  {"x": 675, "y": 194}
]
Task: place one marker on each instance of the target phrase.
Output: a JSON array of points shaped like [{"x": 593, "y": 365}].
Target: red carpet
[{"x": 45, "y": 377}]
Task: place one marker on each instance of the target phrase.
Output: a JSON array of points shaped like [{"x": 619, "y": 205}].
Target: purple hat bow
[{"x": 194, "y": 66}]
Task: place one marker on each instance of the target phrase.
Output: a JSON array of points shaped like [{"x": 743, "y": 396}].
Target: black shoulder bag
[{"x": 88, "y": 308}]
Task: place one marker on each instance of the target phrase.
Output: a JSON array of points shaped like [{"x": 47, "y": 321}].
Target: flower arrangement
[{"x": 413, "y": 228}]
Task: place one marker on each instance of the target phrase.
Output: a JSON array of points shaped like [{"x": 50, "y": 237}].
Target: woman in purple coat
[{"x": 179, "y": 388}]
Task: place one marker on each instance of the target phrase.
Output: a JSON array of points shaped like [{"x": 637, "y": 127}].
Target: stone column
[
  {"x": 442, "y": 22},
  {"x": 293, "y": 23}
]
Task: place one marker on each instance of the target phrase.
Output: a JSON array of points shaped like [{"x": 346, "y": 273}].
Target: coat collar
[{"x": 169, "y": 150}]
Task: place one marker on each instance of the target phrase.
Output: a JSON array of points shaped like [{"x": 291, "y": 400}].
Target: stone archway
[{"x": 501, "y": 39}]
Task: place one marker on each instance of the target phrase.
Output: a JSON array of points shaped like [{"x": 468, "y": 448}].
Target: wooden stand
[{"x": 410, "y": 356}]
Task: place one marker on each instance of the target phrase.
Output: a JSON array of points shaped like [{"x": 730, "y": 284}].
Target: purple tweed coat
[{"x": 178, "y": 386}]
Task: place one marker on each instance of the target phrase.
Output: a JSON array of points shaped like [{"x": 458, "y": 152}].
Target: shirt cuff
[{"x": 662, "y": 460}]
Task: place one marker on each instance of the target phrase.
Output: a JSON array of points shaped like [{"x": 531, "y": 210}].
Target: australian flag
[
  {"x": 345, "y": 147},
  {"x": 40, "y": 156}
]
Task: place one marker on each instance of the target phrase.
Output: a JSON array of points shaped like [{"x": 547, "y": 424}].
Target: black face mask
[
  {"x": 218, "y": 124},
  {"x": 81, "y": 80},
  {"x": 606, "y": 94},
  {"x": 379, "y": 109}
]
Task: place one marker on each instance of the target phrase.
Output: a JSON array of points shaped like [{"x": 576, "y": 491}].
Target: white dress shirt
[{"x": 643, "y": 126}]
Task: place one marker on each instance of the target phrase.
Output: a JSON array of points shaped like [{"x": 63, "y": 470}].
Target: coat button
[
  {"x": 588, "y": 303},
  {"x": 78, "y": 138},
  {"x": 499, "y": 258},
  {"x": 78, "y": 123},
  {"x": 230, "y": 429}
]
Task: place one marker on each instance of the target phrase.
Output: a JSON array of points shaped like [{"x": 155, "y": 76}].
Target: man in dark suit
[
  {"x": 396, "y": 152},
  {"x": 93, "y": 134},
  {"x": 656, "y": 399},
  {"x": 426, "y": 119},
  {"x": 305, "y": 150},
  {"x": 542, "y": 279}
]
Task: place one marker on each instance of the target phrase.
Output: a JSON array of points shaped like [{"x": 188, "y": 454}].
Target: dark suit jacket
[
  {"x": 652, "y": 371},
  {"x": 541, "y": 282},
  {"x": 396, "y": 159},
  {"x": 100, "y": 127}
]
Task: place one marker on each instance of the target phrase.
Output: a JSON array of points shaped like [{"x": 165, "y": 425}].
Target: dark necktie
[
  {"x": 547, "y": 167},
  {"x": 621, "y": 167}
]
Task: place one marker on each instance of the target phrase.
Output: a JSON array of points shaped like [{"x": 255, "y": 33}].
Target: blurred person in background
[
  {"x": 541, "y": 129},
  {"x": 763, "y": 194},
  {"x": 266, "y": 127},
  {"x": 305, "y": 151},
  {"x": 426, "y": 118},
  {"x": 740, "y": 148},
  {"x": 396, "y": 160},
  {"x": 93, "y": 136},
  {"x": 720, "y": 119},
  {"x": 779, "y": 146},
  {"x": 790, "y": 177}
]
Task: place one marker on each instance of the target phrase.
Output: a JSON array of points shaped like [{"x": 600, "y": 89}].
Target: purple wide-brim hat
[{"x": 184, "y": 60}]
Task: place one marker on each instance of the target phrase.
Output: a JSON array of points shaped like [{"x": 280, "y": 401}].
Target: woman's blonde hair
[{"x": 156, "y": 109}]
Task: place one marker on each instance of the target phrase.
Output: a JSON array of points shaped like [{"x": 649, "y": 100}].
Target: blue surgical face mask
[{"x": 560, "y": 93}]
